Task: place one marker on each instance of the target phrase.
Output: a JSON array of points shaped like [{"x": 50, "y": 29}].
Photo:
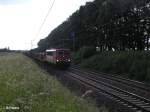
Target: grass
[
  {"x": 133, "y": 64},
  {"x": 23, "y": 84}
]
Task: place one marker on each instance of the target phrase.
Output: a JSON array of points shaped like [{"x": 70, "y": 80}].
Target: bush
[
  {"x": 83, "y": 53},
  {"x": 135, "y": 64}
]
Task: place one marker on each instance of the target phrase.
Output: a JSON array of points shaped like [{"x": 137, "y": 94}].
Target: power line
[{"x": 40, "y": 28}]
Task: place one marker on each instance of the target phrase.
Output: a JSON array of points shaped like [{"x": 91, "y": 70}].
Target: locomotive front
[{"x": 61, "y": 57}]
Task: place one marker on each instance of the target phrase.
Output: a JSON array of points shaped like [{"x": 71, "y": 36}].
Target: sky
[{"x": 20, "y": 20}]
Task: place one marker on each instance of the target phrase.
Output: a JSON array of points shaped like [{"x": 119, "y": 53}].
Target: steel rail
[
  {"x": 135, "y": 84},
  {"x": 130, "y": 100}
]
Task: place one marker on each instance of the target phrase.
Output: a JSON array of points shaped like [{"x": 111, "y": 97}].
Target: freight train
[{"x": 60, "y": 57}]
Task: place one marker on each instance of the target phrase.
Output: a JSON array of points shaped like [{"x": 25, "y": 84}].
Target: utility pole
[
  {"x": 72, "y": 36},
  {"x": 74, "y": 44},
  {"x": 63, "y": 42}
]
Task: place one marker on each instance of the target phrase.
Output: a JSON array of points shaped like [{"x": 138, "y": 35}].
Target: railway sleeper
[
  {"x": 129, "y": 97},
  {"x": 146, "y": 106},
  {"x": 135, "y": 100},
  {"x": 141, "y": 104},
  {"x": 135, "y": 109}
]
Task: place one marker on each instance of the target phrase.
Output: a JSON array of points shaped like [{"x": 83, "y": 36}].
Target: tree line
[{"x": 118, "y": 25}]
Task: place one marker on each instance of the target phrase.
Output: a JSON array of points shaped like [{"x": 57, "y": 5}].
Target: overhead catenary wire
[
  {"x": 41, "y": 26},
  {"x": 101, "y": 27}
]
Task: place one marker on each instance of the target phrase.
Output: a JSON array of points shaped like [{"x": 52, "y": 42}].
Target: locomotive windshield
[
  {"x": 63, "y": 53},
  {"x": 50, "y": 53},
  {"x": 60, "y": 52}
]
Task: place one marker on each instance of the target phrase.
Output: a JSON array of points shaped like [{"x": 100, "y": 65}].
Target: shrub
[
  {"x": 136, "y": 64},
  {"x": 83, "y": 53}
]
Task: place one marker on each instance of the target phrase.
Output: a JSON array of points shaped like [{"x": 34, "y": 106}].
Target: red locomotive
[{"x": 60, "y": 57}]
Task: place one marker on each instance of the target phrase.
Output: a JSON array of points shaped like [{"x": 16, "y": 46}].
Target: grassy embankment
[
  {"x": 132, "y": 64},
  {"x": 23, "y": 84}
]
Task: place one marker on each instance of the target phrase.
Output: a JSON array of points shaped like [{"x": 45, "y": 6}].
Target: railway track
[
  {"x": 136, "y": 87},
  {"x": 95, "y": 82},
  {"x": 129, "y": 100}
]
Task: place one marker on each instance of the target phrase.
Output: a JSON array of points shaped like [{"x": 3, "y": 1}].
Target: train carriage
[{"x": 58, "y": 56}]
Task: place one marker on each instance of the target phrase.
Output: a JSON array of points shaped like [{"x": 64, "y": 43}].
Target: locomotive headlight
[
  {"x": 69, "y": 60},
  {"x": 57, "y": 60}
]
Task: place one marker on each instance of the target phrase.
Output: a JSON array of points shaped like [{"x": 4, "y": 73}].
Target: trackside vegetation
[
  {"x": 24, "y": 87},
  {"x": 131, "y": 64},
  {"x": 119, "y": 25}
]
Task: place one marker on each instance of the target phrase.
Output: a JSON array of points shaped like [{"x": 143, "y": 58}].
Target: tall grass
[
  {"x": 135, "y": 64},
  {"x": 23, "y": 84}
]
